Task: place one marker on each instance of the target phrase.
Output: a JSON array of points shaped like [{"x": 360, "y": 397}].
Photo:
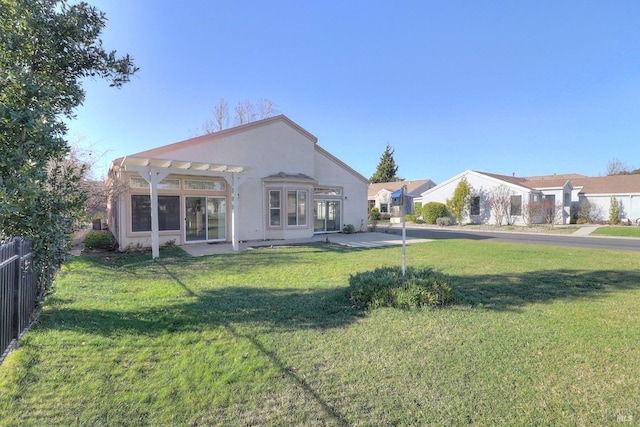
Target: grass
[
  {"x": 539, "y": 335},
  {"x": 617, "y": 231}
]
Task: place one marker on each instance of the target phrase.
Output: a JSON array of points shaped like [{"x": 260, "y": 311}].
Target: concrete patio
[{"x": 355, "y": 240}]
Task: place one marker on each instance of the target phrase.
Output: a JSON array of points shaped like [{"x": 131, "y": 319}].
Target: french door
[
  {"x": 327, "y": 216},
  {"x": 206, "y": 219}
]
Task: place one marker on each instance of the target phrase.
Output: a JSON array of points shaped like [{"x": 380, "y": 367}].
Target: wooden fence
[{"x": 18, "y": 292}]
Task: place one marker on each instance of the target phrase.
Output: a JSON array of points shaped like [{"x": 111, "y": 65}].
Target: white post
[
  {"x": 153, "y": 185},
  {"x": 404, "y": 231},
  {"x": 234, "y": 214},
  {"x": 154, "y": 177}
]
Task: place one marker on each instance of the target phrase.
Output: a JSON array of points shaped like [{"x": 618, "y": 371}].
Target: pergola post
[
  {"x": 234, "y": 214},
  {"x": 154, "y": 179}
]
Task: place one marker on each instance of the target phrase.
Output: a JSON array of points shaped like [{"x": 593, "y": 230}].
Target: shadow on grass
[
  {"x": 270, "y": 309},
  {"x": 513, "y": 291},
  {"x": 239, "y": 309},
  {"x": 232, "y": 263},
  {"x": 277, "y": 309}
]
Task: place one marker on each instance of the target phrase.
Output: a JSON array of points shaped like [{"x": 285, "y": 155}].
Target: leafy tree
[
  {"x": 46, "y": 48},
  {"x": 387, "y": 169},
  {"x": 458, "y": 205}
]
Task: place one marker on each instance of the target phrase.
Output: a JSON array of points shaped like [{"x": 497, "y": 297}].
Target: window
[
  {"x": 274, "y": 208},
  {"x": 475, "y": 206},
  {"x": 168, "y": 213},
  {"x": 516, "y": 205},
  {"x": 324, "y": 191},
  {"x": 204, "y": 185},
  {"x": 170, "y": 184},
  {"x": 296, "y": 208},
  {"x": 384, "y": 207}
]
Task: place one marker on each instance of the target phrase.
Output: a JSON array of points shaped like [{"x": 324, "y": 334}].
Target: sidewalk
[
  {"x": 355, "y": 240},
  {"x": 585, "y": 230}
]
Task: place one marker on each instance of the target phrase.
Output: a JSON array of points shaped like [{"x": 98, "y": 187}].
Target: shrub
[
  {"x": 410, "y": 218},
  {"x": 374, "y": 214},
  {"x": 102, "y": 240},
  {"x": 432, "y": 211},
  {"x": 348, "y": 229},
  {"x": 417, "y": 208},
  {"x": 589, "y": 212},
  {"x": 444, "y": 221},
  {"x": 387, "y": 287}
]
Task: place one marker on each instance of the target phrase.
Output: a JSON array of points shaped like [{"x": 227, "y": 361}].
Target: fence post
[{"x": 15, "y": 330}]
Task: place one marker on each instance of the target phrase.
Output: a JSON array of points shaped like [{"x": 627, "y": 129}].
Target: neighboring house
[
  {"x": 568, "y": 192},
  {"x": 379, "y": 194},
  {"x": 265, "y": 180}
]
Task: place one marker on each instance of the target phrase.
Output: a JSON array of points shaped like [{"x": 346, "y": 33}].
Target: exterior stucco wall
[
  {"x": 629, "y": 205},
  {"x": 482, "y": 187},
  {"x": 329, "y": 173},
  {"x": 271, "y": 149}
]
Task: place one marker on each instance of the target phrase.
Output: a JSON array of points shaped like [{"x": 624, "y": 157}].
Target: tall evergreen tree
[
  {"x": 387, "y": 169},
  {"x": 458, "y": 205}
]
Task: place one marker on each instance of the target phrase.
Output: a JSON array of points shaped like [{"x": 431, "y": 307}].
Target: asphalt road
[{"x": 591, "y": 242}]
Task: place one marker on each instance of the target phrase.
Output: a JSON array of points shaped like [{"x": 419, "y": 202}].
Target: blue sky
[{"x": 524, "y": 87}]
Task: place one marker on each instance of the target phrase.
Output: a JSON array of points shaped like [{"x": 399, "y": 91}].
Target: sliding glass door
[
  {"x": 327, "y": 216},
  {"x": 206, "y": 219}
]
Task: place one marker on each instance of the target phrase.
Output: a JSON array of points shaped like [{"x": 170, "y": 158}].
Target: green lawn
[
  {"x": 539, "y": 336},
  {"x": 628, "y": 231}
]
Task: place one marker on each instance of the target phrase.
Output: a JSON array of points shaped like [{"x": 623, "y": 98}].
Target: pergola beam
[{"x": 155, "y": 170}]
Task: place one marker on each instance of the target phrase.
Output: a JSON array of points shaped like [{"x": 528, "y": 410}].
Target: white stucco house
[
  {"x": 379, "y": 194},
  {"x": 568, "y": 192},
  {"x": 266, "y": 180}
]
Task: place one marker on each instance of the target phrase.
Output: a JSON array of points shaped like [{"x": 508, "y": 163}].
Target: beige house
[
  {"x": 379, "y": 194},
  {"x": 266, "y": 180}
]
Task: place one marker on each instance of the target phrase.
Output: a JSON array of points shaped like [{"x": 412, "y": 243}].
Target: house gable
[{"x": 276, "y": 175}]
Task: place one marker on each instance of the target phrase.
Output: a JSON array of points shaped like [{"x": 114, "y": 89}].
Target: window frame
[
  {"x": 300, "y": 208},
  {"x": 272, "y": 209},
  {"x": 518, "y": 205},
  {"x": 204, "y": 185},
  {"x": 139, "y": 183},
  {"x": 165, "y": 222},
  {"x": 474, "y": 206}
]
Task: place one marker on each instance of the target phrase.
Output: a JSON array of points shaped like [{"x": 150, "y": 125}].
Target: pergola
[{"x": 154, "y": 170}]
